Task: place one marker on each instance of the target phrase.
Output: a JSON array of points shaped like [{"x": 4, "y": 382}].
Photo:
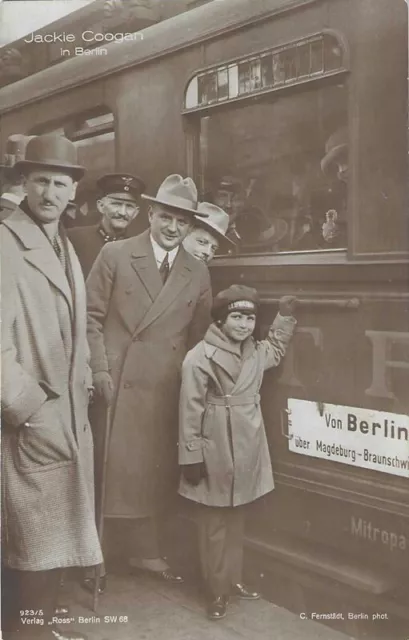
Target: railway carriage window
[
  {"x": 276, "y": 157},
  {"x": 94, "y": 136},
  {"x": 280, "y": 169}
]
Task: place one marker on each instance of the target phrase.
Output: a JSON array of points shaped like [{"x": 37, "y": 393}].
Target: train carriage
[{"x": 291, "y": 114}]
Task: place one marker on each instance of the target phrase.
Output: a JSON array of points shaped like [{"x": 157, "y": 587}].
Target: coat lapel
[
  {"x": 179, "y": 277},
  {"x": 38, "y": 251},
  {"x": 144, "y": 263}
]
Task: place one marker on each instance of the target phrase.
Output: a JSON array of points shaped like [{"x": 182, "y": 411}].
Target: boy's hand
[{"x": 288, "y": 305}]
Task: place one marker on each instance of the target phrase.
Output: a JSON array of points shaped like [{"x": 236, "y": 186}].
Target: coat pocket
[{"x": 44, "y": 444}]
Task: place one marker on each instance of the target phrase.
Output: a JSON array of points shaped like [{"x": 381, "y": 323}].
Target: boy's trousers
[{"x": 221, "y": 537}]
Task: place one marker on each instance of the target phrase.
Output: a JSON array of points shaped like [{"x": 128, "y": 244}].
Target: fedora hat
[
  {"x": 177, "y": 193},
  {"x": 217, "y": 221},
  {"x": 336, "y": 145},
  {"x": 53, "y": 152}
]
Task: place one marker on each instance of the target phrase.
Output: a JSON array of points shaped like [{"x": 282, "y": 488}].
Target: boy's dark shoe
[{"x": 216, "y": 609}]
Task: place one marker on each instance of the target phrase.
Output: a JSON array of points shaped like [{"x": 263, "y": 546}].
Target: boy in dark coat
[{"x": 223, "y": 446}]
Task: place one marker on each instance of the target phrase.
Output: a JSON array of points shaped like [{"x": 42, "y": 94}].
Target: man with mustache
[
  {"x": 119, "y": 204},
  {"x": 148, "y": 302},
  {"x": 48, "y": 518}
]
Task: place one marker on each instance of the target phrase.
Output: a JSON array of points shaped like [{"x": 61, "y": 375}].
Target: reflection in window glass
[
  {"x": 207, "y": 88},
  {"x": 303, "y": 60},
  {"x": 317, "y": 57},
  {"x": 279, "y": 168},
  {"x": 222, "y": 84}
]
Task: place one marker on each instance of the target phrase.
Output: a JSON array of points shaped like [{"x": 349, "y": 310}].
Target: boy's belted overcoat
[{"x": 220, "y": 417}]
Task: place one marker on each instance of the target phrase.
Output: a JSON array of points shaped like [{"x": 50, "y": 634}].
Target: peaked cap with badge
[
  {"x": 179, "y": 193},
  {"x": 120, "y": 183}
]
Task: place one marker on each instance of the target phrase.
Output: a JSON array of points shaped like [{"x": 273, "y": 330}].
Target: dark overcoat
[
  {"x": 140, "y": 331},
  {"x": 87, "y": 242},
  {"x": 220, "y": 417},
  {"x": 47, "y": 469}
]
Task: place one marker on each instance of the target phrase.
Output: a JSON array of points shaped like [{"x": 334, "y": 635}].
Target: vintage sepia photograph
[{"x": 204, "y": 305}]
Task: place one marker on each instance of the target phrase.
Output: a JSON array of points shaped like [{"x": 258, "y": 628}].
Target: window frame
[{"x": 193, "y": 116}]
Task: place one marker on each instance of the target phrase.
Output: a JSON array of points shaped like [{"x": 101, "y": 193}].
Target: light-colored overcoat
[
  {"x": 140, "y": 331},
  {"x": 220, "y": 417},
  {"x": 47, "y": 469}
]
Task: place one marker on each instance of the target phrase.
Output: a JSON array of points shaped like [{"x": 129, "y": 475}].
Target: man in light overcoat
[
  {"x": 148, "y": 302},
  {"x": 48, "y": 518}
]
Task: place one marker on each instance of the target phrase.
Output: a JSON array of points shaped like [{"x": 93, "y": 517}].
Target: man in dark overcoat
[
  {"x": 148, "y": 302},
  {"x": 48, "y": 518},
  {"x": 118, "y": 204}
]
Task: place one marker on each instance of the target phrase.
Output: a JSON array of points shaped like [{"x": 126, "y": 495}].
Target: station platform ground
[{"x": 141, "y": 608}]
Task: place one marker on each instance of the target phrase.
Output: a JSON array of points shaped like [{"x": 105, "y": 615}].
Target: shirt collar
[{"x": 159, "y": 253}]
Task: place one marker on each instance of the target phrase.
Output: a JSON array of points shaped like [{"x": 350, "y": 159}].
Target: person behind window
[
  {"x": 12, "y": 192},
  {"x": 229, "y": 196},
  {"x": 223, "y": 449},
  {"x": 119, "y": 204},
  {"x": 334, "y": 166},
  {"x": 11, "y": 181},
  {"x": 208, "y": 233}
]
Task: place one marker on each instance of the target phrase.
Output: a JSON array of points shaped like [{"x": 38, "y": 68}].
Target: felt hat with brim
[
  {"x": 121, "y": 184},
  {"x": 217, "y": 222},
  {"x": 237, "y": 297},
  {"x": 51, "y": 151},
  {"x": 257, "y": 230},
  {"x": 178, "y": 193},
  {"x": 335, "y": 147}
]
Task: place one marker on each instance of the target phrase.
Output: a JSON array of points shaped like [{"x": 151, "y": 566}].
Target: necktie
[
  {"x": 59, "y": 250},
  {"x": 164, "y": 268}
]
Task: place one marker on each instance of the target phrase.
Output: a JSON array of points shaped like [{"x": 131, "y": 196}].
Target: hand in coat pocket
[
  {"x": 193, "y": 473},
  {"x": 42, "y": 440}
]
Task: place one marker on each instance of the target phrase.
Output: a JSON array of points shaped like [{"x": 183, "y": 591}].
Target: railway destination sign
[{"x": 359, "y": 437}]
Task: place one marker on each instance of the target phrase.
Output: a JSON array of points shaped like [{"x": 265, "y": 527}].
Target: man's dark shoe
[
  {"x": 60, "y": 634},
  {"x": 216, "y": 609},
  {"x": 244, "y": 593},
  {"x": 61, "y": 610},
  {"x": 89, "y": 584}
]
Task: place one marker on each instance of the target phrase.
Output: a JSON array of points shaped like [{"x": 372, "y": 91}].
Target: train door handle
[{"x": 284, "y": 432}]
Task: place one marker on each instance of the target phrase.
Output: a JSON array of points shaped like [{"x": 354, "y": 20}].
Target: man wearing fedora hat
[
  {"x": 118, "y": 204},
  {"x": 148, "y": 301},
  {"x": 47, "y": 451},
  {"x": 209, "y": 233}
]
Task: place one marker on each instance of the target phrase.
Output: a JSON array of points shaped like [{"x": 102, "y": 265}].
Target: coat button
[
  {"x": 127, "y": 385},
  {"x": 135, "y": 339}
]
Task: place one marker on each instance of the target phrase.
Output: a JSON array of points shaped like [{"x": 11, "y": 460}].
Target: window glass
[{"x": 279, "y": 166}]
